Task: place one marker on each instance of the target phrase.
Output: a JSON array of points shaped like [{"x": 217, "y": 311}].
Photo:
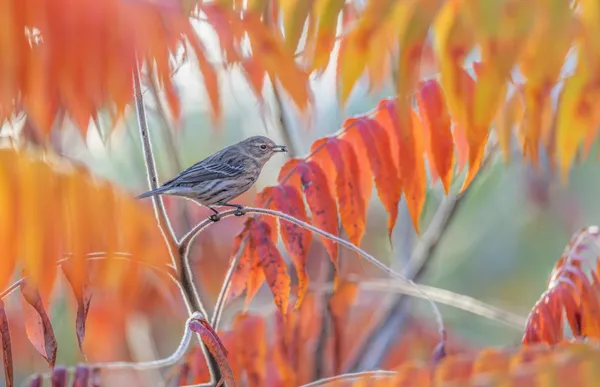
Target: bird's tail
[{"x": 154, "y": 192}]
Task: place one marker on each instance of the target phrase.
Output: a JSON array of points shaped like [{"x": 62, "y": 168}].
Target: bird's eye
[{"x": 263, "y": 147}]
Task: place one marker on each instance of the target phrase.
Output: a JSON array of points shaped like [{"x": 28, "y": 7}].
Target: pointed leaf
[
  {"x": 321, "y": 203},
  {"x": 339, "y": 305},
  {"x": 271, "y": 263},
  {"x": 437, "y": 130},
  {"x": 6, "y": 347},
  {"x": 37, "y": 323},
  {"x": 296, "y": 239},
  {"x": 377, "y": 144},
  {"x": 9, "y": 207},
  {"x": 242, "y": 270},
  {"x": 327, "y": 13},
  {"x": 507, "y": 121},
  {"x": 83, "y": 296}
]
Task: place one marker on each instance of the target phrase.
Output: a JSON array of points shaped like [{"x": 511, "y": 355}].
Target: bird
[{"x": 222, "y": 176}]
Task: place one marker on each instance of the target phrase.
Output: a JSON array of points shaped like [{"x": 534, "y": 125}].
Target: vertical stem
[{"x": 178, "y": 258}]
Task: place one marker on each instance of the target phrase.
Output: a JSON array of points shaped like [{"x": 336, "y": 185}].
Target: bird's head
[{"x": 262, "y": 148}]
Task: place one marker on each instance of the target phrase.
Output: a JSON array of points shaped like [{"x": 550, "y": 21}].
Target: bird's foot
[
  {"x": 240, "y": 211},
  {"x": 215, "y": 217}
]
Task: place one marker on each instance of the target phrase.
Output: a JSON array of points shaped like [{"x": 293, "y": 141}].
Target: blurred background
[{"x": 498, "y": 246}]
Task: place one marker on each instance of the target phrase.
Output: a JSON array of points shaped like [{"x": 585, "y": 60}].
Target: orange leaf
[
  {"x": 507, "y": 121},
  {"x": 437, "y": 130},
  {"x": 339, "y": 305},
  {"x": 327, "y": 13},
  {"x": 377, "y": 143},
  {"x": 37, "y": 323},
  {"x": 9, "y": 207},
  {"x": 251, "y": 347},
  {"x": 295, "y": 14},
  {"x": 296, "y": 239},
  {"x": 576, "y": 116},
  {"x": 288, "y": 174},
  {"x": 271, "y": 263},
  {"x": 6, "y": 347},
  {"x": 403, "y": 120},
  {"x": 321, "y": 203}
]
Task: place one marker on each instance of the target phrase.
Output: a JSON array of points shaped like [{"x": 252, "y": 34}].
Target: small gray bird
[{"x": 222, "y": 176}]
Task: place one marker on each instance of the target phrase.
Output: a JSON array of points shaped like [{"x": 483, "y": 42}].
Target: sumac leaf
[
  {"x": 59, "y": 377},
  {"x": 296, "y": 239},
  {"x": 83, "y": 296},
  {"x": 37, "y": 323},
  {"x": 321, "y": 203},
  {"x": 339, "y": 305},
  {"x": 6, "y": 347},
  {"x": 271, "y": 264},
  {"x": 82, "y": 376}
]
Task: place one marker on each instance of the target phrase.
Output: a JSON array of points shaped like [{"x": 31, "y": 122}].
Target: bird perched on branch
[{"x": 222, "y": 176}]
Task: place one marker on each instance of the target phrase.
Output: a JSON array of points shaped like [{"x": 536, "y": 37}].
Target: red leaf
[
  {"x": 240, "y": 274},
  {"x": 6, "y": 347},
  {"x": 398, "y": 116},
  {"x": 251, "y": 347},
  {"x": 321, "y": 203},
  {"x": 215, "y": 347},
  {"x": 353, "y": 211},
  {"x": 271, "y": 263},
  {"x": 437, "y": 130},
  {"x": 83, "y": 295},
  {"x": 37, "y": 324},
  {"x": 296, "y": 239},
  {"x": 377, "y": 143}
]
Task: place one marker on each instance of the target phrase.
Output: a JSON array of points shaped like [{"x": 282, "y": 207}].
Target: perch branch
[{"x": 179, "y": 261}]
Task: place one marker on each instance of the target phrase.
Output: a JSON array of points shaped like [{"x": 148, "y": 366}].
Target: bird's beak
[{"x": 280, "y": 148}]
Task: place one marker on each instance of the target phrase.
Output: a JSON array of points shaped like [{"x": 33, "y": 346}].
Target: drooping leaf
[
  {"x": 82, "y": 376},
  {"x": 83, "y": 296},
  {"x": 242, "y": 270},
  {"x": 296, "y": 239},
  {"x": 37, "y": 323},
  {"x": 9, "y": 205},
  {"x": 321, "y": 203},
  {"x": 508, "y": 121},
  {"x": 437, "y": 130},
  {"x": 6, "y": 347},
  {"x": 215, "y": 347},
  {"x": 326, "y": 12},
  {"x": 271, "y": 263},
  {"x": 374, "y": 138},
  {"x": 295, "y": 14},
  {"x": 251, "y": 347}
]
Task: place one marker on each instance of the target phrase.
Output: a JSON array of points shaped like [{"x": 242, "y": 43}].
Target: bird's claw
[
  {"x": 239, "y": 212},
  {"x": 215, "y": 217}
]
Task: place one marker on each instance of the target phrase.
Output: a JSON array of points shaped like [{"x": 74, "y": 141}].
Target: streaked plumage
[{"x": 222, "y": 176}]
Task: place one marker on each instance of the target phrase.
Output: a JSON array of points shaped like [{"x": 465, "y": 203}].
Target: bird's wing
[{"x": 202, "y": 171}]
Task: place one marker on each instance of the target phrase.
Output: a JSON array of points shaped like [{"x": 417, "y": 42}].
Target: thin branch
[
  {"x": 350, "y": 377},
  {"x": 179, "y": 261},
  {"x": 169, "y": 361},
  {"x": 443, "y": 297}
]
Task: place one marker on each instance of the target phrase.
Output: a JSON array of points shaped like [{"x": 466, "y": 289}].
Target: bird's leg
[
  {"x": 216, "y": 216},
  {"x": 239, "y": 208}
]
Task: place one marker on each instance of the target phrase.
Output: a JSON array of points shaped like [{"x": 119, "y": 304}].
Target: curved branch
[
  {"x": 169, "y": 361},
  {"x": 350, "y": 377},
  {"x": 186, "y": 240}
]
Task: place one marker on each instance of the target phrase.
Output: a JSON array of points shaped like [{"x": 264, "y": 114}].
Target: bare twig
[
  {"x": 377, "y": 374},
  {"x": 179, "y": 260},
  {"x": 443, "y": 297},
  {"x": 169, "y": 361}
]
